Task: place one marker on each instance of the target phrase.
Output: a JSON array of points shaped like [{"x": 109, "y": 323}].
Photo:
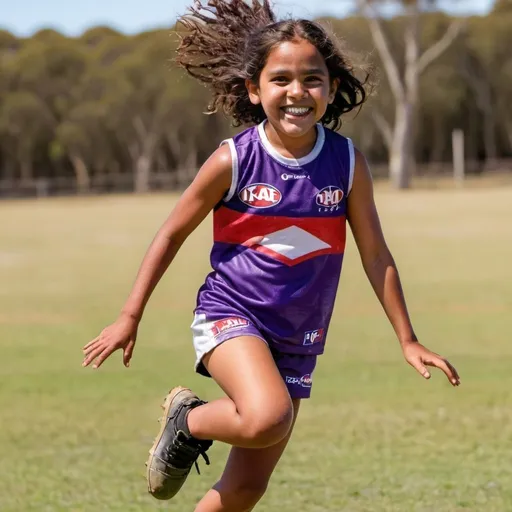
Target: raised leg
[
  {"x": 245, "y": 477},
  {"x": 257, "y": 411}
]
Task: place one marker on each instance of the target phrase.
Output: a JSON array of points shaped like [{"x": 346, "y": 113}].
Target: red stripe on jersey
[{"x": 249, "y": 230}]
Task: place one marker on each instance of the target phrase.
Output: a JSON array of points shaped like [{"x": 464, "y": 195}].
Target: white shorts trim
[
  {"x": 205, "y": 340},
  {"x": 202, "y": 338}
]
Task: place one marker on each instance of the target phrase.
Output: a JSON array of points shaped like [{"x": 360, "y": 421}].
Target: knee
[{"x": 267, "y": 426}]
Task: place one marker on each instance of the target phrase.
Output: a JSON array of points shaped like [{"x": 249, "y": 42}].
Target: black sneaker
[{"x": 175, "y": 450}]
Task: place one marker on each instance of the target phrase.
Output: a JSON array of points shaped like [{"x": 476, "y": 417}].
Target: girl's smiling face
[{"x": 294, "y": 88}]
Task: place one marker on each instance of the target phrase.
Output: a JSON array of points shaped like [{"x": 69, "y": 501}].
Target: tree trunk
[
  {"x": 83, "y": 178},
  {"x": 142, "y": 174},
  {"x": 491, "y": 151},
  {"x": 400, "y": 155},
  {"x": 174, "y": 145},
  {"x": 143, "y": 154},
  {"x": 191, "y": 164}
]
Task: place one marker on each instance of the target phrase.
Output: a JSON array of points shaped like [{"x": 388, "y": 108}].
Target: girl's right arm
[{"x": 208, "y": 188}]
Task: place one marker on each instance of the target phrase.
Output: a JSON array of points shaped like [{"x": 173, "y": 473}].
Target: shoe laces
[
  {"x": 183, "y": 451},
  {"x": 203, "y": 454}
]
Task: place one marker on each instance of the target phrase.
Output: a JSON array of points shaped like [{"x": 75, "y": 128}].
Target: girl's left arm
[{"x": 382, "y": 272}]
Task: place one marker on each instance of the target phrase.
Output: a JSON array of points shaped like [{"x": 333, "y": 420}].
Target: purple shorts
[{"x": 296, "y": 369}]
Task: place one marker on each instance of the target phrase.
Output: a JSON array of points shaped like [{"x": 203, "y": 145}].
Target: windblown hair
[{"x": 227, "y": 42}]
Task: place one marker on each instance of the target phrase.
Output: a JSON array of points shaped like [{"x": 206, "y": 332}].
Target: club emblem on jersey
[
  {"x": 260, "y": 195},
  {"x": 306, "y": 381},
  {"x": 312, "y": 337},
  {"x": 329, "y": 197}
]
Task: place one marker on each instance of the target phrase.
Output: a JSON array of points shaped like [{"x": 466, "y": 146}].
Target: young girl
[{"x": 281, "y": 193}]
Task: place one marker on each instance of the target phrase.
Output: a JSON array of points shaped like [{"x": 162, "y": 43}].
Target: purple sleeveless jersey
[{"x": 279, "y": 239}]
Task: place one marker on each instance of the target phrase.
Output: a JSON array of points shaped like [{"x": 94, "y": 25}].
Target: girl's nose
[{"x": 296, "y": 89}]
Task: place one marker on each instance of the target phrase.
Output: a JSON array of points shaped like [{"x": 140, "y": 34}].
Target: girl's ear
[
  {"x": 254, "y": 93},
  {"x": 334, "y": 89}
]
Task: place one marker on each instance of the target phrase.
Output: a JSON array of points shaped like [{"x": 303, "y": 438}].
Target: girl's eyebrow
[{"x": 312, "y": 71}]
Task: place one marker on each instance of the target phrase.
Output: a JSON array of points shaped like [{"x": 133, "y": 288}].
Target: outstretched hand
[
  {"x": 122, "y": 334},
  {"x": 420, "y": 357}
]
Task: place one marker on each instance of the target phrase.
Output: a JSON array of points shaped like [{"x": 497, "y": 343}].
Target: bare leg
[
  {"x": 257, "y": 411},
  {"x": 245, "y": 477}
]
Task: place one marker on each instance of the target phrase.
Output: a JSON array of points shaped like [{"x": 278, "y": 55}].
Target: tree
[
  {"x": 404, "y": 83},
  {"x": 145, "y": 109},
  {"x": 183, "y": 131},
  {"x": 96, "y": 35},
  {"x": 136, "y": 116},
  {"x": 441, "y": 92},
  {"x": 8, "y": 42},
  {"x": 112, "y": 48},
  {"x": 107, "y": 103},
  {"x": 50, "y": 69},
  {"x": 84, "y": 137},
  {"x": 502, "y": 7},
  {"x": 25, "y": 125},
  {"x": 484, "y": 66}
]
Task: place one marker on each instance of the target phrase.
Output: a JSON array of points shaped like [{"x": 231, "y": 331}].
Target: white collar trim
[{"x": 292, "y": 162}]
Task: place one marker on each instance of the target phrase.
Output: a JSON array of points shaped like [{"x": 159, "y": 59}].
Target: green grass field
[{"x": 375, "y": 436}]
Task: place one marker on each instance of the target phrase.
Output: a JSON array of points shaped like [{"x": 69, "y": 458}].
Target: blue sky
[{"x": 24, "y": 17}]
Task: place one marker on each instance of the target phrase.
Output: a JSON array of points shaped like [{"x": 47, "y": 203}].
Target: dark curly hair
[{"x": 227, "y": 42}]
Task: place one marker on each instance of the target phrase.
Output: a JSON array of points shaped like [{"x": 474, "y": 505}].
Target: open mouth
[{"x": 297, "y": 111}]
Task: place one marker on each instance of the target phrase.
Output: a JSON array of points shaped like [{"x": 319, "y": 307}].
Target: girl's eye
[
  {"x": 313, "y": 79},
  {"x": 279, "y": 79}
]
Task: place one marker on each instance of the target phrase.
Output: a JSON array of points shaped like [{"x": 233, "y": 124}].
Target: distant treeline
[{"x": 107, "y": 103}]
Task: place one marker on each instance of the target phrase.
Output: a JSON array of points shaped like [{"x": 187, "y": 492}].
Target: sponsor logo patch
[
  {"x": 286, "y": 176},
  {"x": 329, "y": 198},
  {"x": 305, "y": 381},
  {"x": 260, "y": 195},
  {"x": 226, "y": 324},
  {"x": 312, "y": 337}
]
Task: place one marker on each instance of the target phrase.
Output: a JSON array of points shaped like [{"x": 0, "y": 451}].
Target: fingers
[
  {"x": 419, "y": 358},
  {"x": 127, "y": 353},
  {"x": 92, "y": 354},
  {"x": 91, "y": 343},
  {"x": 107, "y": 352},
  {"x": 102, "y": 347},
  {"x": 91, "y": 347},
  {"x": 454, "y": 371},
  {"x": 420, "y": 368},
  {"x": 98, "y": 350},
  {"x": 447, "y": 368}
]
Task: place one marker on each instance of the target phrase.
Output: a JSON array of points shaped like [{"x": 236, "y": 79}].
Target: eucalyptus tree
[{"x": 404, "y": 80}]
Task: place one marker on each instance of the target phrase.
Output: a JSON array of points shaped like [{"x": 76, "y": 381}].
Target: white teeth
[{"x": 298, "y": 111}]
